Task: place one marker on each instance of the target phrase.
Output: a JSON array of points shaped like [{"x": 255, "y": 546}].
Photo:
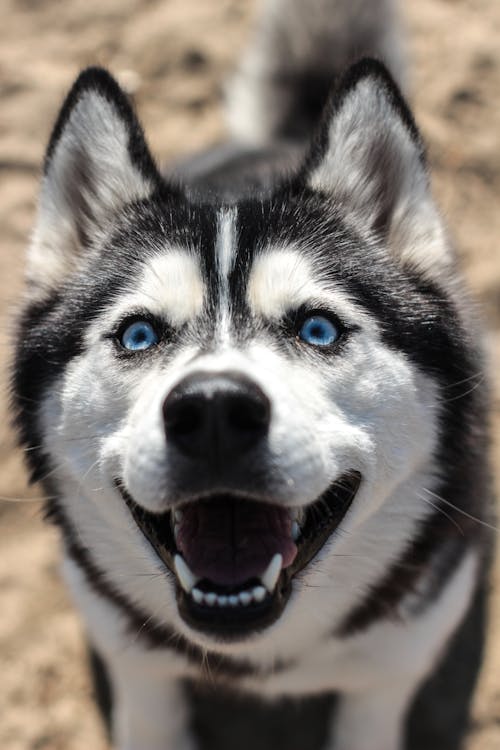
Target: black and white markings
[
  {"x": 225, "y": 253},
  {"x": 227, "y": 280}
]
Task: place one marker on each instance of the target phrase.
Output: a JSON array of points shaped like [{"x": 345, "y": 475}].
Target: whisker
[
  {"x": 443, "y": 512},
  {"x": 38, "y": 499},
  {"x": 463, "y": 512},
  {"x": 141, "y": 629},
  {"x": 475, "y": 376}
]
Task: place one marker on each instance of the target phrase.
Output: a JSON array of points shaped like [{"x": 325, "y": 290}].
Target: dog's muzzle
[{"x": 233, "y": 551}]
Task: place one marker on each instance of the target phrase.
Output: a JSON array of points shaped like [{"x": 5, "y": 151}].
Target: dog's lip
[{"x": 321, "y": 519}]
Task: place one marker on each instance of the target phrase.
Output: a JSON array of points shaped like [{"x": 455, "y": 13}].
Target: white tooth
[
  {"x": 198, "y": 596},
  {"x": 178, "y": 515},
  {"x": 259, "y": 593},
  {"x": 270, "y": 577},
  {"x": 296, "y": 531},
  {"x": 296, "y": 514},
  {"x": 222, "y": 601},
  {"x": 186, "y": 578},
  {"x": 210, "y": 599},
  {"x": 176, "y": 532},
  {"x": 234, "y": 600},
  {"x": 245, "y": 598}
]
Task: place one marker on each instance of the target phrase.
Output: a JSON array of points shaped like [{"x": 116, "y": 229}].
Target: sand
[{"x": 173, "y": 55}]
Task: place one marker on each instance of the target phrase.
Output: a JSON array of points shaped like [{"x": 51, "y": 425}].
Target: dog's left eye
[
  {"x": 139, "y": 336},
  {"x": 319, "y": 331}
]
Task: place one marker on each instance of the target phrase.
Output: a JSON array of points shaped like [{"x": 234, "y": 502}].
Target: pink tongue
[{"x": 229, "y": 540}]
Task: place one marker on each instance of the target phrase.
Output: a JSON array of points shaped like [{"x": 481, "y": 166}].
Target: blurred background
[{"x": 172, "y": 56}]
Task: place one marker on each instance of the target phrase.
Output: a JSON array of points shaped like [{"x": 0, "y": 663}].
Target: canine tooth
[
  {"x": 186, "y": 578},
  {"x": 271, "y": 575},
  {"x": 178, "y": 515},
  {"x": 210, "y": 599},
  {"x": 259, "y": 593},
  {"x": 234, "y": 600},
  {"x": 222, "y": 600},
  {"x": 176, "y": 532},
  {"x": 198, "y": 596},
  {"x": 245, "y": 598},
  {"x": 296, "y": 531},
  {"x": 296, "y": 514}
]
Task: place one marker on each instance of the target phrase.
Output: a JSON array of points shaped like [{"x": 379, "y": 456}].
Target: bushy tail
[{"x": 299, "y": 47}]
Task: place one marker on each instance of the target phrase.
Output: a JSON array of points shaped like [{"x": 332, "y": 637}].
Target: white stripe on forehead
[
  {"x": 225, "y": 255},
  {"x": 171, "y": 286},
  {"x": 226, "y": 242}
]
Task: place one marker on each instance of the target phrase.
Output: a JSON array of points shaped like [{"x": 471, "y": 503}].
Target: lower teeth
[
  {"x": 256, "y": 594},
  {"x": 243, "y": 599}
]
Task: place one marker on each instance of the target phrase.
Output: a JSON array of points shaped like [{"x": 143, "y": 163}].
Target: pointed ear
[
  {"x": 370, "y": 159},
  {"x": 96, "y": 163}
]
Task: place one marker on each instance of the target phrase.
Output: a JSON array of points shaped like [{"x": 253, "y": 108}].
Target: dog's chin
[{"x": 234, "y": 557}]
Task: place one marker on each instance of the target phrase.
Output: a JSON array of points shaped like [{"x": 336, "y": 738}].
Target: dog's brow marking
[
  {"x": 280, "y": 280},
  {"x": 225, "y": 249},
  {"x": 174, "y": 287}
]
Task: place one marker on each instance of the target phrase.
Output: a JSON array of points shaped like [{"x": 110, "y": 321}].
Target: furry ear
[
  {"x": 370, "y": 159},
  {"x": 97, "y": 161}
]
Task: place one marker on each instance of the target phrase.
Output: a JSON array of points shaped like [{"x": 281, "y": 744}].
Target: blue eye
[
  {"x": 139, "y": 336},
  {"x": 319, "y": 331}
]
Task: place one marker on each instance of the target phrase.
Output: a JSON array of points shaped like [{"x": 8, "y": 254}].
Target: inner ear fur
[
  {"x": 96, "y": 163},
  {"x": 369, "y": 159}
]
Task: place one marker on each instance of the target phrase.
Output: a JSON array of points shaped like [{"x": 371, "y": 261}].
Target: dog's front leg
[
  {"x": 371, "y": 721},
  {"x": 150, "y": 711}
]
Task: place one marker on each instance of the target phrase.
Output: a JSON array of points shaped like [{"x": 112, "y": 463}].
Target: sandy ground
[{"x": 173, "y": 55}]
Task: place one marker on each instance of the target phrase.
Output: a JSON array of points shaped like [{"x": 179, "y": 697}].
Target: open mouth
[{"x": 234, "y": 558}]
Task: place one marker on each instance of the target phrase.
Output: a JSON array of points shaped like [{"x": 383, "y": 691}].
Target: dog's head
[{"x": 233, "y": 401}]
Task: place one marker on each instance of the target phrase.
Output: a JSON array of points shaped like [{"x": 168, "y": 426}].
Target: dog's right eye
[{"x": 138, "y": 336}]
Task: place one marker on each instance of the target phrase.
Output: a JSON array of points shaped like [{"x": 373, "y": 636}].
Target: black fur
[
  {"x": 377, "y": 73},
  {"x": 94, "y": 79},
  {"x": 439, "y": 547},
  {"x": 416, "y": 317},
  {"x": 438, "y": 719},
  {"x": 140, "y": 624}
]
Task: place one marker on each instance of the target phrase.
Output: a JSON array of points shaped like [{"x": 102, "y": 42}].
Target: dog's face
[{"x": 230, "y": 398}]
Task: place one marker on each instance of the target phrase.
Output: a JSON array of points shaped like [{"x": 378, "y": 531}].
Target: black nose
[{"x": 216, "y": 416}]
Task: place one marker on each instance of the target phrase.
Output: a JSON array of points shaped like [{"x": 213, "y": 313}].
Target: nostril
[
  {"x": 214, "y": 417},
  {"x": 248, "y": 414},
  {"x": 183, "y": 416}
]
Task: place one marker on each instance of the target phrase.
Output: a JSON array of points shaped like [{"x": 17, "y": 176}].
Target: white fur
[
  {"x": 280, "y": 278},
  {"x": 150, "y": 713},
  {"x": 170, "y": 287},
  {"x": 377, "y": 672},
  {"x": 96, "y": 138},
  {"x": 364, "y": 130},
  {"x": 283, "y": 279},
  {"x": 225, "y": 253},
  {"x": 372, "y": 412}
]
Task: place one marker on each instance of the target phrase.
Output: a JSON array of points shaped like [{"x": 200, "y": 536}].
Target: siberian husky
[{"x": 253, "y": 392}]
